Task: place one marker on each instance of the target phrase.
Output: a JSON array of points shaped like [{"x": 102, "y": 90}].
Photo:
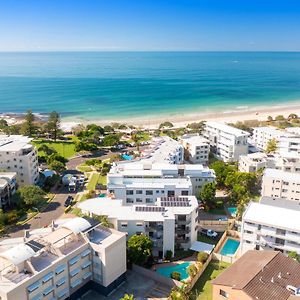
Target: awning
[{"x": 202, "y": 247}]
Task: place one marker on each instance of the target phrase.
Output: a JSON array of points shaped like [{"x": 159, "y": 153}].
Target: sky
[{"x": 149, "y": 25}]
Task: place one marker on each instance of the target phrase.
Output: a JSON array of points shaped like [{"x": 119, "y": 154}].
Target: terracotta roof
[{"x": 263, "y": 275}]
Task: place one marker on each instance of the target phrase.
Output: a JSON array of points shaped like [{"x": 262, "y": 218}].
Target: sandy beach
[{"x": 181, "y": 120}]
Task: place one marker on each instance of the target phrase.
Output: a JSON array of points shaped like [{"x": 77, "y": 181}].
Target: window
[
  {"x": 139, "y": 200},
  {"x": 60, "y": 269},
  {"x": 129, "y": 200},
  {"x": 47, "y": 277},
  {"x": 74, "y": 260},
  {"x": 129, "y": 192},
  {"x": 33, "y": 287},
  {"x": 139, "y": 224},
  {"x": 224, "y": 294},
  {"x": 124, "y": 224},
  {"x": 61, "y": 281},
  {"x": 48, "y": 290},
  {"x": 149, "y": 192},
  {"x": 139, "y": 192},
  {"x": 184, "y": 193}
]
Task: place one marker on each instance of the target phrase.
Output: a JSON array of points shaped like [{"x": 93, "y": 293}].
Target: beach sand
[{"x": 181, "y": 120}]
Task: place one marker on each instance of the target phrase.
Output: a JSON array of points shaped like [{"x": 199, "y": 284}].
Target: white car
[{"x": 211, "y": 233}]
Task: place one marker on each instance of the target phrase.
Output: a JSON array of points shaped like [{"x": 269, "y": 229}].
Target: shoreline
[{"x": 181, "y": 120}]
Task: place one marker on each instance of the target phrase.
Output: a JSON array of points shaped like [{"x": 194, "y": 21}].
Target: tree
[
  {"x": 28, "y": 127},
  {"x": 168, "y": 255},
  {"x": 270, "y": 119},
  {"x": 279, "y": 118},
  {"x": 137, "y": 140},
  {"x": 176, "y": 275},
  {"x": 85, "y": 146},
  {"x": 30, "y": 195},
  {"x": 46, "y": 149},
  {"x": 271, "y": 146},
  {"x": 111, "y": 140},
  {"x": 166, "y": 124},
  {"x": 202, "y": 257},
  {"x": 3, "y": 125},
  {"x": 292, "y": 116},
  {"x": 53, "y": 124},
  {"x": 192, "y": 270},
  {"x": 208, "y": 193},
  {"x": 57, "y": 166},
  {"x": 139, "y": 248},
  {"x": 179, "y": 293},
  {"x": 294, "y": 255},
  {"x": 127, "y": 297},
  {"x": 222, "y": 170}
]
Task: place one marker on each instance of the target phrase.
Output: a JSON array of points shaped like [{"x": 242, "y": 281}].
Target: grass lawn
[
  {"x": 205, "y": 239},
  {"x": 102, "y": 180},
  {"x": 217, "y": 211},
  {"x": 93, "y": 180},
  {"x": 203, "y": 287},
  {"x": 65, "y": 149},
  {"x": 84, "y": 168}
]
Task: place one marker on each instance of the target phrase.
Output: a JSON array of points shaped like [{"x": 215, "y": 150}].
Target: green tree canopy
[
  {"x": 127, "y": 297},
  {"x": 222, "y": 169},
  {"x": 294, "y": 255},
  {"x": 111, "y": 140},
  {"x": 271, "y": 146},
  {"x": 208, "y": 194},
  {"x": 53, "y": 125},
  {"x": 28, "y": 128},
  {"x": 30, "y": 195},
  {"x": 139, "y": 248},
  {"x": 57, "y": 166},
  {"x": 166, "y": 124}
]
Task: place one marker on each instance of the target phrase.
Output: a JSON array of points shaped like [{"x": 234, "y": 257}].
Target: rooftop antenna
[
  {"x": 272, "y": 279},
  {"x": 279, "y": 275}
]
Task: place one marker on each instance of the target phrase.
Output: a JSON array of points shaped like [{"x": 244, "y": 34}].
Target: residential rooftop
[
  {"x": 263, "y": 275},
  {"x": 11, "y": 143},
  {"x": 282, "y": 175},
  {"x": 228, "y": 129}
]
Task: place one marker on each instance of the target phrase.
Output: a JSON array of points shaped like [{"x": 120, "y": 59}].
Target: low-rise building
[
  {"x": 143, "y": 182},
  {"x": 18, "y": 155},
  {"x": 259, "y": 275},
  {"x": 272, "y": 224},
  {"x": 196, "y": 149},
  {"x": 8, "y": 186},
  {"x": 170, "y": 222},
  {"x": 226, "y": 142},
  {"x": 285, "y": 161},
  {"x": 54, "y": 263},
  {"x": 163, "y": 150},
  {"x": 281, "y": 184}
]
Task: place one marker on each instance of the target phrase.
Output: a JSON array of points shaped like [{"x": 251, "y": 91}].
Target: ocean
[{"x": 113, "y": 85}]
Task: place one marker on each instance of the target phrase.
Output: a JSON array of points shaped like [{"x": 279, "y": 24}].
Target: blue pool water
[
  {"x": 230, "y": 247},
  {"x": 127, "y": 157},
  {"x": 232, "y": 211},
  {"x": 181, "y": 268}
]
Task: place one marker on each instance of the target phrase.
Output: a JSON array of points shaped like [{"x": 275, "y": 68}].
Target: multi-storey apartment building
[
  {"x": 196, "y": 149},
  {"x": 289, "y": 144},
  {"x": 143, "y": 182},
  {"x": 285, "y": 161},
  {"x": 272, "y": 224},
  {"x": 8, "y": 187},
  {"x": 163, "y": 150},
  {"x": 170, "y": 222},
  {"x": 226, "y": 142},
  {"x": 18, "y": 155},
  {"x": 54, "y": 263},
  {"x": 281, "y": 184}
]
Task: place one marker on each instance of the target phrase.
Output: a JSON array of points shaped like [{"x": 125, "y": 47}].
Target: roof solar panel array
[
  {"x": 149, "y": 209},
  {"x": 175, "y": 202}
]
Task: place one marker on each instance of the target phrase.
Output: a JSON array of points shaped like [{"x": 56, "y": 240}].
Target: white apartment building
[
  {"x": 163, "y": 150},
  {"x": 8, "y": 186},
  {"x": 262, "y": 135},
  {"x": 18, "y": 155},
  {"x": 226, "y": 142},
  {"x": 289, "y": 144},
  {"x": 285, "y": 161},
  {"x": 54, "y": 263},
  {"x": 171, "y": 223},
  {"x": 281, "y": 184},
  {"x": 272, "y": 224},
  {"x": 141, "y": 182},
  {"x": 196, "y": 149}
]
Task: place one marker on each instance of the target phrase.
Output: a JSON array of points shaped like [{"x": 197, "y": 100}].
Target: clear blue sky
[{"x": 223, "y": 25}]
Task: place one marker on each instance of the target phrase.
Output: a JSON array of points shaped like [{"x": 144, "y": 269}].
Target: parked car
[
  {"x": 223, "y": 219},
  {"x": 208, "y": 232},
  {"x": 69, "y": 201}
]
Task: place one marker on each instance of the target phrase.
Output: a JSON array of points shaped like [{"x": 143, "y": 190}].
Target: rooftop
[
  {"x": 263, "y": 275},
  {"x": 228, "y": 129},
  {"x": 282, "y": 175},
  {"x": 276, "y": 216},
  {"x": 14, "y": 142}
]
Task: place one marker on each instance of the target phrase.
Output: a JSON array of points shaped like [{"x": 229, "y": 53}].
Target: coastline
[{"x": 181, "y": 120}]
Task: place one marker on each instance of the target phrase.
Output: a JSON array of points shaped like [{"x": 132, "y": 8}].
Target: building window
[
  {"x": 139, "y": 192},
  {"x": 184, "y": 193},
  {"x": 129, "y": 192},
  {"x": 224, "y": 294},
  {"x": 149, "y": 192}
]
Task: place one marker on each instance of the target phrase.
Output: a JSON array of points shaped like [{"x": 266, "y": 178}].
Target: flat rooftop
[
  {"x": 10, "y": 143},
  {"x": 282, "y": 175},
  {"x": 228, "y": 129}
]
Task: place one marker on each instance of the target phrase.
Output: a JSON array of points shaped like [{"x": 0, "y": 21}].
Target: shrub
[
  {"x": 12, "y": 217},
  {"x": 192, "y": 271},
  {"x": 169, "y": 255},
  {"x": 176, "y": 275},
  {"x": 202, "y": 257}
]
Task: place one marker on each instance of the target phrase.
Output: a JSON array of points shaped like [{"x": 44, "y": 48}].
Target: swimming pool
[
  {"x": 230, "y": 247},
  {"x": 180, "y": 268},
  {"x": 232, "y": 211},
  {"x": 127, "y": 156}
]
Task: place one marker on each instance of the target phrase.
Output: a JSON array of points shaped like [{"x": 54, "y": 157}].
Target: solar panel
[
  {"x": 149, "y": 209},
  {"x": 35, "y": 246}
]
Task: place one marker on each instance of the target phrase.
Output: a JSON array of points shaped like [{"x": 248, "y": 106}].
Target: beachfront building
[
  {"x": 163, "y": 150},
  {"x": 271, "y": 224},
  {"x": 55, "y": 263},
  {"x": 289, "y": 144},
  {"x": 170, "y": 222},
  {"x": 8, "y": 186},
  {"x": 262, "y": 135},
  {"x": 196, "y": 149},
  {"x": 226, "y": 142},
  {"x": 259, "y": 275},
  {"x": 18, "y": 155},
  {"x": 281, "y": 184},
  {"x": 143, "y": 182},
  {"x": 285, "y": 161}
]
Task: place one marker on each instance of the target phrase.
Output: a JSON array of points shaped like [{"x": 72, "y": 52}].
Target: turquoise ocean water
[{"x": 95, "y": 85}]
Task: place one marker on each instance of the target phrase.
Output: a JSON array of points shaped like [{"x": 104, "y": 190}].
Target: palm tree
[{"x": 137, "y": 140}]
